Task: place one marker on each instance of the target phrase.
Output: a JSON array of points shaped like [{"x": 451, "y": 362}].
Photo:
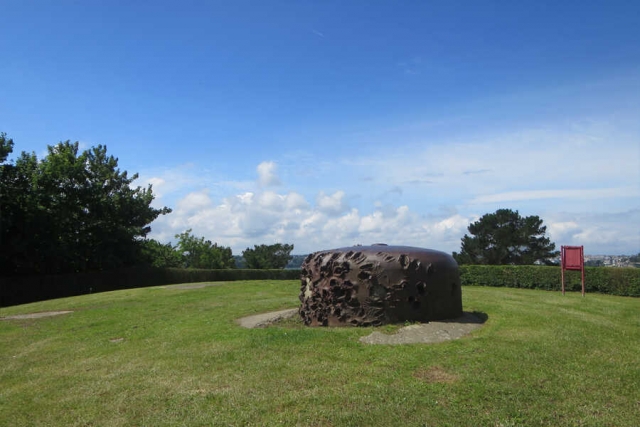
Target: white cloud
[
  {"x": 266, "y": 217},
  {"x": 271, "y": 201},
  {"x": 563, "y": 228},
  {"x": 170, "y": 184},
  {"x": 249, "y": 218},
  {"x": 546, "y": 157},
  {"x": 334, "y": 204},
  {"x": 267, "y": 174},
  {"x": 593, "y": 193},
  {"x": 296, "y": 202},
  {"x": 599, "y": 233},
  {"x": 196, "y": 201},
  {"x": 157, "y": 184},
  {"x": 426, "y": 194}
]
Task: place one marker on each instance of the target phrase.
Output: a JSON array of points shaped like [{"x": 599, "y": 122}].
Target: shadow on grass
[
  {"x": 473, "y": 317},
  {"x": 481, "y": 315},
  {"x": 477, "y": 317}
]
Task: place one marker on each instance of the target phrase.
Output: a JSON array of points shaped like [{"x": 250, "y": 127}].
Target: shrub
[
  {"x": 613, "y": 281},
  {"x": 22, "y": 290}
]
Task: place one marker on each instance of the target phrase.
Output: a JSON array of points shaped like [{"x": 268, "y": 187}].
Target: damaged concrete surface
[{"x": 377, "y": 285}]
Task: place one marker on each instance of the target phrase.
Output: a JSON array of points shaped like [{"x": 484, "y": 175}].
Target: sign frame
[{"x": 572, "y": 258}]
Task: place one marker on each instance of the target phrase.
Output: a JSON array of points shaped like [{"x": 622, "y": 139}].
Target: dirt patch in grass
[
  {"x": 435, "y": 374},
  {"x": 35, "y": 315},
  {"x": 266, "y": 319},
  {"x": 432, "y": 332},
  {"x": 194, "y": 285}
]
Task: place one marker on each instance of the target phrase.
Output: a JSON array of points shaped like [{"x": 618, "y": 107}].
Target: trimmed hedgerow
[
  {"x": 613, "y": 281},
  {"x": 22, "y": 290},
  {"x": 181, "y": 275}
]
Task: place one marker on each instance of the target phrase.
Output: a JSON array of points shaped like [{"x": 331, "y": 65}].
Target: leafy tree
[
  {"x": 24, "y": 223},
  {"x": 71, "y": 211},
  {"x": 6, "y": 147},
  {"x": 268, "y": 256},
  {"x": 504, "y": 237},
  {"x": 6, "y": 174},
  {"x": 161, "y": 255},
  {"x": 240, "y": 262},
  {"x": 201, "y": 253},
  {"x": 296, "y": 261}
]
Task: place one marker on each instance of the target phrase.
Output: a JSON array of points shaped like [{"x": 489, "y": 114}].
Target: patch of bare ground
[
  {"x": 266, "y": 319},
  {"x": 35, "y": 315},
  {"x": 198, "y": 285},
  {"x": 432, "y": 332},
  {"x": 426, "y": 333}
]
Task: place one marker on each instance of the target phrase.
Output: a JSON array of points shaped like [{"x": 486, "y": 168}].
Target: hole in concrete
[
  {"x": 367, "y": 267},
  {"x": 429, "y": 269},
  {"x": 364, "y": 275},
  {"x": 404, "y": 260}
]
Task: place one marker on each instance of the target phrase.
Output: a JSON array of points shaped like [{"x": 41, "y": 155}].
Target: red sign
[{"x": 572, "y": 258}]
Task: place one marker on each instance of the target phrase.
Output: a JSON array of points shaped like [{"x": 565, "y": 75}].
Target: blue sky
[{"x": 332, "y": 123}]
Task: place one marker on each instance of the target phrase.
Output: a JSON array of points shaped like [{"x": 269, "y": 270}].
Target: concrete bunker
[{"x": 379, "y": 284}]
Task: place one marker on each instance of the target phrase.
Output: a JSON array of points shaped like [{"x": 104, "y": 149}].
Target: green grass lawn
[{"x": 175, "y": 357}]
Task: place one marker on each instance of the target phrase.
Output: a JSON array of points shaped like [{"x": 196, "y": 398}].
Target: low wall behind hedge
[
  {"x": 22, "y": 290},
  {"x": 613, "y": 281}
]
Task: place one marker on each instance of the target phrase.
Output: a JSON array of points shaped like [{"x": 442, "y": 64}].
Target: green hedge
[
  {"x": 180, "y": 275},
  {"x": 613, "y": 281},
  {"x": 22, "y": 290}
]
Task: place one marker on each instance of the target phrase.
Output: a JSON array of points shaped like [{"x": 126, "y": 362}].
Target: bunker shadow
[{"x": 475, "y": 317}]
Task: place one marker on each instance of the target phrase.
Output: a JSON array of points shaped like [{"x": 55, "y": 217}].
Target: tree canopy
[
  {"x": 504, "y": 237},
  {"x": 72, "y": 211},
  {"x": 162, "y": 255},
  {"x": 200, "y": 253},
  {"x": 268, "y": 256}
]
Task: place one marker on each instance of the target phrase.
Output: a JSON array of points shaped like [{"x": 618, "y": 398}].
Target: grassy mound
[{"x": 174, "y": 356}]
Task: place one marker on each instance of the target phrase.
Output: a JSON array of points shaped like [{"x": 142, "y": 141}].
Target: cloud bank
[{"x": 582, "y": 179}]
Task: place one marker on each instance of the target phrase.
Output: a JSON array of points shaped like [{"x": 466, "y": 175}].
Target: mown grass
[{"x": 175, "y": 357}]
